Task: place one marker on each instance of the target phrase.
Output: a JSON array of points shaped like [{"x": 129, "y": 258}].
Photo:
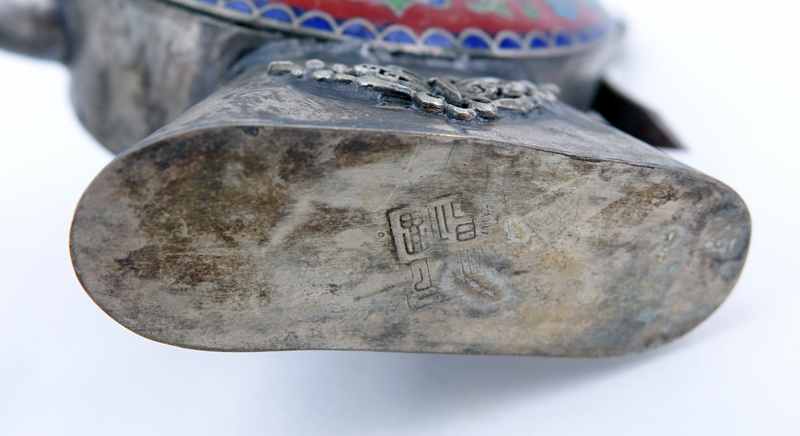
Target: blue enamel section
[
  {"x": 399, "y": 36},
  {"x": 509, "y": 44},
  {"x": 475, "y": 42},
  {"x": 318, "y": 23},
  {"x": 359, "y": 31},
  {"x": 239, "y": 6},
  {"x": 564, "y": 9},
  {"x": 539, "y": 43},
  {"x": 277, "y": 15},
  {"x": 468, "y": 40},
  {"x": 438, "y": 40},
  {"x": 563, "y": 40}
]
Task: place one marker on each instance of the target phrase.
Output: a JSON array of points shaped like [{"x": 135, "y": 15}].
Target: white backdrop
[{"x": 725, "y": 76}]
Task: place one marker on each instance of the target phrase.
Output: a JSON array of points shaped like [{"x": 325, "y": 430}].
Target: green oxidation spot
[
  {"x": 673, "y": 269},
  {"x": 646, "y": 315}
]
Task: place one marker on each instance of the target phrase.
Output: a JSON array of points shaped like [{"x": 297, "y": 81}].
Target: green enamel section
[
  {"x": 501, "y": 7},
  {"x": 398, "y": 4}
]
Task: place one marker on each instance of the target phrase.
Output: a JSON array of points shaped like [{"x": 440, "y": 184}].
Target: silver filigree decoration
[{"x": 462, "y": 99}]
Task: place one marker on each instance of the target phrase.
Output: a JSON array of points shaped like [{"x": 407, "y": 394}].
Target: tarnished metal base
[
  {"x": 287, "y": 213},
  {"x": 326, "y": 196}
]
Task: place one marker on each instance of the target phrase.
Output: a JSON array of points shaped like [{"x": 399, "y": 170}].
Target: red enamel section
[{"x": 456, "y": 18}]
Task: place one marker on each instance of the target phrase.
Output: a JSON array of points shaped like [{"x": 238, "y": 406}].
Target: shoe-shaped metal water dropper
[{"x": 375, "y": 177}]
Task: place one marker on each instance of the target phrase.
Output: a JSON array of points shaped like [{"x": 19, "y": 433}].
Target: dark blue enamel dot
[
  {"x": 317, "y": 23},
  {"x": 539, "y": 43},
  {"x": 509, "y": 44},
  {"x": 475, "y": 42},
  {"x": 359, "y": 31},
  {"x": 438, "y": 40},
  {"x": 277, "y": 15},
  {"x": 400, "y": 37},
  {"x": 563, "y": 40},
  {"x": 239, "y": 6}
]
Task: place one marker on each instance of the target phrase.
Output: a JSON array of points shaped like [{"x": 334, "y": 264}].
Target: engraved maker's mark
[
  {"x": 421, "y": 274},
  {"x": 441, "y": 221},
  {"x": 417, "y": 230},
  {"x": 472, "y": 260}
]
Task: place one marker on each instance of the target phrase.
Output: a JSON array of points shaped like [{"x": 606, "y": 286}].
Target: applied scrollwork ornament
[{"x": 462, "y": 99}]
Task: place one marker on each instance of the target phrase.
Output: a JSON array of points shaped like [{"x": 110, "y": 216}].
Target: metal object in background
[
  {"x": 34, "y": 27},
  {"x": 411, "y": 176}
]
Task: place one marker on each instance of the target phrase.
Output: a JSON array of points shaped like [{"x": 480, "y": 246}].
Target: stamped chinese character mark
[
  {"x": 416, "y": 230},
  {"x": 410, "y": 232},
  {"x": 414, "y": 233},
  {"x": 450, "y": 222},
  {"x": 471, "y": 260},
  {"x": 421, "y": 273}
]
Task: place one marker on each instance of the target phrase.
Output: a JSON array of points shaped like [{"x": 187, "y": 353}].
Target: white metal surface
[{"x": 726, "y": 79}]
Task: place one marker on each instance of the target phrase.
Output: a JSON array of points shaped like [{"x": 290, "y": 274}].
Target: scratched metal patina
[{"x": 263, "y": 220}]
